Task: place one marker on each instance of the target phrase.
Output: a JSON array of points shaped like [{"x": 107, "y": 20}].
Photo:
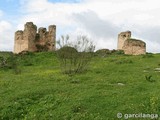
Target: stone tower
[
  {"x": 129, "y": 45},
  {"x": 30, "y": 40},
  {"x": 122, "y": 37},
  {"x": 19, "y": 43}
]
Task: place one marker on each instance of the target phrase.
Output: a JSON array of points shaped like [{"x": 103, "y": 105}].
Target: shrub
[
  {"x": 68, "y": 57},
  {"x": 72, "y": 61},
  {"x": 83, "y": 61},
  {"x": 75, "y": 57}
]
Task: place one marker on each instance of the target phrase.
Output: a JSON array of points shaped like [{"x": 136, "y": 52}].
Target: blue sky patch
[
  {"x": 65, "y": 1},
  {"x": 9, "y": 6}
]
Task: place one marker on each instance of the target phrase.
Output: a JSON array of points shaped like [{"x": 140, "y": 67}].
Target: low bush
[
  {"x": 75, "y": 57},
  {"x": 72, "y": 61}
]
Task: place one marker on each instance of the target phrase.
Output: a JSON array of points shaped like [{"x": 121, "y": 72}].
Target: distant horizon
[{"x": 100, "y": 20}]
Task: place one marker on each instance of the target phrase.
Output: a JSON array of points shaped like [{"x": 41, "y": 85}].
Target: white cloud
[
  {"x": 6, "y": 33},
  {"x": 42, "y": 11},
  {"x": 102, "y": 32},
  {"x": 5, "y": 25},
  {"x": 97, "y": 27}
]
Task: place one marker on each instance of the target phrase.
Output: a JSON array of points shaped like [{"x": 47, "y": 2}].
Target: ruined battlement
[
  {"x": 31, "y": 40},
  {"x": 129, "y": 45}
]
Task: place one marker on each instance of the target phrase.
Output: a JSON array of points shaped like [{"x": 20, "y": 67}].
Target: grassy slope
[{"x": 41, "y": 92}]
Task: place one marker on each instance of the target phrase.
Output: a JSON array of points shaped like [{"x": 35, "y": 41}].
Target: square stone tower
[
  {"x": 122, "y": 37},
  {"x": 30, "y": 40}
]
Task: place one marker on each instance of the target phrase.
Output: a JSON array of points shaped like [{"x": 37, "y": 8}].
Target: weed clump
[{"x": 149, "y": 78}]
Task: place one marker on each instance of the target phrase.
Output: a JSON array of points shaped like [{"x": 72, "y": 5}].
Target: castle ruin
[
  {"x": 129, "y": 45},
  {"x": 122, "y": 37},
  {"x": 30, "y": 40}
]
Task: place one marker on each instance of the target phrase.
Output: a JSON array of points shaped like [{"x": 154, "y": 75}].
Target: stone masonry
[
  {"x": 30, "y": 40},
  {"x": 134, "y": 47},
  {"x": 122, "y": 37},
  {"x": 129, "y": 45}
]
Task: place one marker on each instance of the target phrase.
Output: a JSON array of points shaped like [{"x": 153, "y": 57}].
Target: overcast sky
[{"x": 100, "y": 20}]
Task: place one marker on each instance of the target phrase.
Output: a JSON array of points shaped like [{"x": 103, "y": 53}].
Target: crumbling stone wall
[
  {"x": 129, "y": 45},
  {"x": 30, "y": 40},
  {"x": 134, "y": 47}
]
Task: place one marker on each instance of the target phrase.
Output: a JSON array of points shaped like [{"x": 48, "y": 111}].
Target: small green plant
[
  {"x": 78, "y": 109},
  {"x": 149, "y": 78},
  {"x": 154, "y": 104}
]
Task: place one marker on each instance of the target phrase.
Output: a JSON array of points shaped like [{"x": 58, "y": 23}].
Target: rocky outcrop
[
  {"x": 134, "y": 47},
  {"x": 130, "y": 46},
  {"x": 30, "y": 40}
]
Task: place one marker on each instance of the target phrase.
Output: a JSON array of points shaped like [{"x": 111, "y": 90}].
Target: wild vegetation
[
  {"x": 75, "y": 57},
  {"x": 112, "y": 84}
]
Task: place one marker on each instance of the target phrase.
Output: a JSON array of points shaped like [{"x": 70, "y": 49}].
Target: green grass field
[{"x": 113, "y": 84}]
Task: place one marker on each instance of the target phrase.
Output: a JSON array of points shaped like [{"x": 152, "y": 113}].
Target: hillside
[{"x": 113, "y": 84}]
